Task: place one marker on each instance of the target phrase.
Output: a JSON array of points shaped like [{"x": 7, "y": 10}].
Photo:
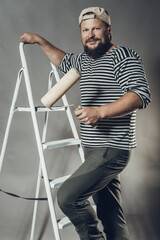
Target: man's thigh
[{"x": 100, "y": 167}]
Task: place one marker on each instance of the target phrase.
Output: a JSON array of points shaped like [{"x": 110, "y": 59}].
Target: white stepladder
[{"x": 42, "y": 145}]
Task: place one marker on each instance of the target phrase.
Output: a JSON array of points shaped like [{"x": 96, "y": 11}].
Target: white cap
[{"x": 95, "y": 12}]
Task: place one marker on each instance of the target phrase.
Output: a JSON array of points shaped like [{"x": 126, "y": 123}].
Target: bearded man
[{"x": 113, "y": 86}]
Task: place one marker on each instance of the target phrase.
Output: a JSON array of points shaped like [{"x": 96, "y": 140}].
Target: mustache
[{"x": 92, "y": 39}]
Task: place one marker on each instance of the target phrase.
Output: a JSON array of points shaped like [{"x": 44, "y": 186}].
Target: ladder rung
[
  {"x": 55, "y": 183},
  {"x": 61, "y": 143},
  {"x": 64, "y": 222},
  {"x": 43, "y": 109}
]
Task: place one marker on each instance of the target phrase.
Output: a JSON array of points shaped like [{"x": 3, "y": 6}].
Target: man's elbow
[{"x": 139, "y": 102}]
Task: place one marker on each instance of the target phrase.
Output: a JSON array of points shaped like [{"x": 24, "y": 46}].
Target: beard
[{"x": 100, "y": 50}]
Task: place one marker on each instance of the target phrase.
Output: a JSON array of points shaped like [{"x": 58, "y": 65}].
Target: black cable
[{"x": 26, "y": 198}]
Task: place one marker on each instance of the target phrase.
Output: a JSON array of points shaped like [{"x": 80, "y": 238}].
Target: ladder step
[
  {"x": 61, "y": 143},
  {"x": 64, "y": 222},
  {"x": 55, "y": 183},
  {"x": 43, "y": 109}
]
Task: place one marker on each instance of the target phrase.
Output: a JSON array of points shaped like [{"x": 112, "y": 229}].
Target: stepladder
[{"x": 41, "y": 142}]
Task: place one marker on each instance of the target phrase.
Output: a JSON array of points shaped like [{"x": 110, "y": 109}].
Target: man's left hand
[{"x": 88, "y": 115}]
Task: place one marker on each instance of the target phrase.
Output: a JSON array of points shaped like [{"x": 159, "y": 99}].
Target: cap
[{"x": 95, "y": 12}]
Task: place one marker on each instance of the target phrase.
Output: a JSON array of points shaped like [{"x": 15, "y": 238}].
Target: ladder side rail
[
  {"x": 73, "y": 127},
  {"x": 65, "y": 102},
  {"x": 44, "y": 133},
  {"x": 39, "y": 144},
  {"x": 69, "y": 115},
  {"x": 35, "y": 209},
  {"x": 11, "y": 113}
]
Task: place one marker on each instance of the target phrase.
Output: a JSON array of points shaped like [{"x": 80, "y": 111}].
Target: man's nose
[{"x": 91, "y": 34}]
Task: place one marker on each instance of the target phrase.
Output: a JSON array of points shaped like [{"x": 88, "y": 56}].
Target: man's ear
[{"x": 109, "y": 29}]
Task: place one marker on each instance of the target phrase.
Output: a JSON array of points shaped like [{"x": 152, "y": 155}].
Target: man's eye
[
  {"x": 85, "y": 30},
  {"x": 97, "y": 29}
]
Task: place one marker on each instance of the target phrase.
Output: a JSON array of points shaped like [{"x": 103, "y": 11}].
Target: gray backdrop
[{"x": 134, "y": 24}]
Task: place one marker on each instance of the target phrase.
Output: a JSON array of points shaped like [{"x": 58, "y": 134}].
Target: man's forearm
[
  {"x": 54, "y": 54},
  {"x": 123, "y": 106}
]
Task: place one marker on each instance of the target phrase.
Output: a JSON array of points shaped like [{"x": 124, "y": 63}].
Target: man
[{"x": 113, "y": 86}]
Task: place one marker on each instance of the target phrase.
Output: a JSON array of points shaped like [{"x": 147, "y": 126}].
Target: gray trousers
[{"x": 98, "y": 177}]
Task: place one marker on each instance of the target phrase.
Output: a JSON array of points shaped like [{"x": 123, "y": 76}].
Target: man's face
[{"x": 95, "y": 36}]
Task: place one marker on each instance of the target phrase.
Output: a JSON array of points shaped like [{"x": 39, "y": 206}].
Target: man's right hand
[{"x": 30, "y": 38}]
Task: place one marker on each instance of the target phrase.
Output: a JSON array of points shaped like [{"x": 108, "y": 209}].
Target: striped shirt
[{"x": 105, "y": 80}]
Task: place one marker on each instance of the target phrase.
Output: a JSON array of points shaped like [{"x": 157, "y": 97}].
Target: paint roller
[{"x": 61, "y": 87}]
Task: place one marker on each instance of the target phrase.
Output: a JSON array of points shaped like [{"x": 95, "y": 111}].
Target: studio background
[{"x": 135, "y": 24}]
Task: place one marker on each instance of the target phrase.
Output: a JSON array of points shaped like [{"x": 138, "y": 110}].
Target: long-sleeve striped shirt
[{"x": 105, "y": 80}]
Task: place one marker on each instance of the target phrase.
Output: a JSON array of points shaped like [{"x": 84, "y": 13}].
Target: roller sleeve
[{"x": 61, "y": 87}]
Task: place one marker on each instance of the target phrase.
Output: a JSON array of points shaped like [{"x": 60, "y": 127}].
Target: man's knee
[
  {"x": 63, "y": 198},
  {"x": 60, "y": 198}
]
